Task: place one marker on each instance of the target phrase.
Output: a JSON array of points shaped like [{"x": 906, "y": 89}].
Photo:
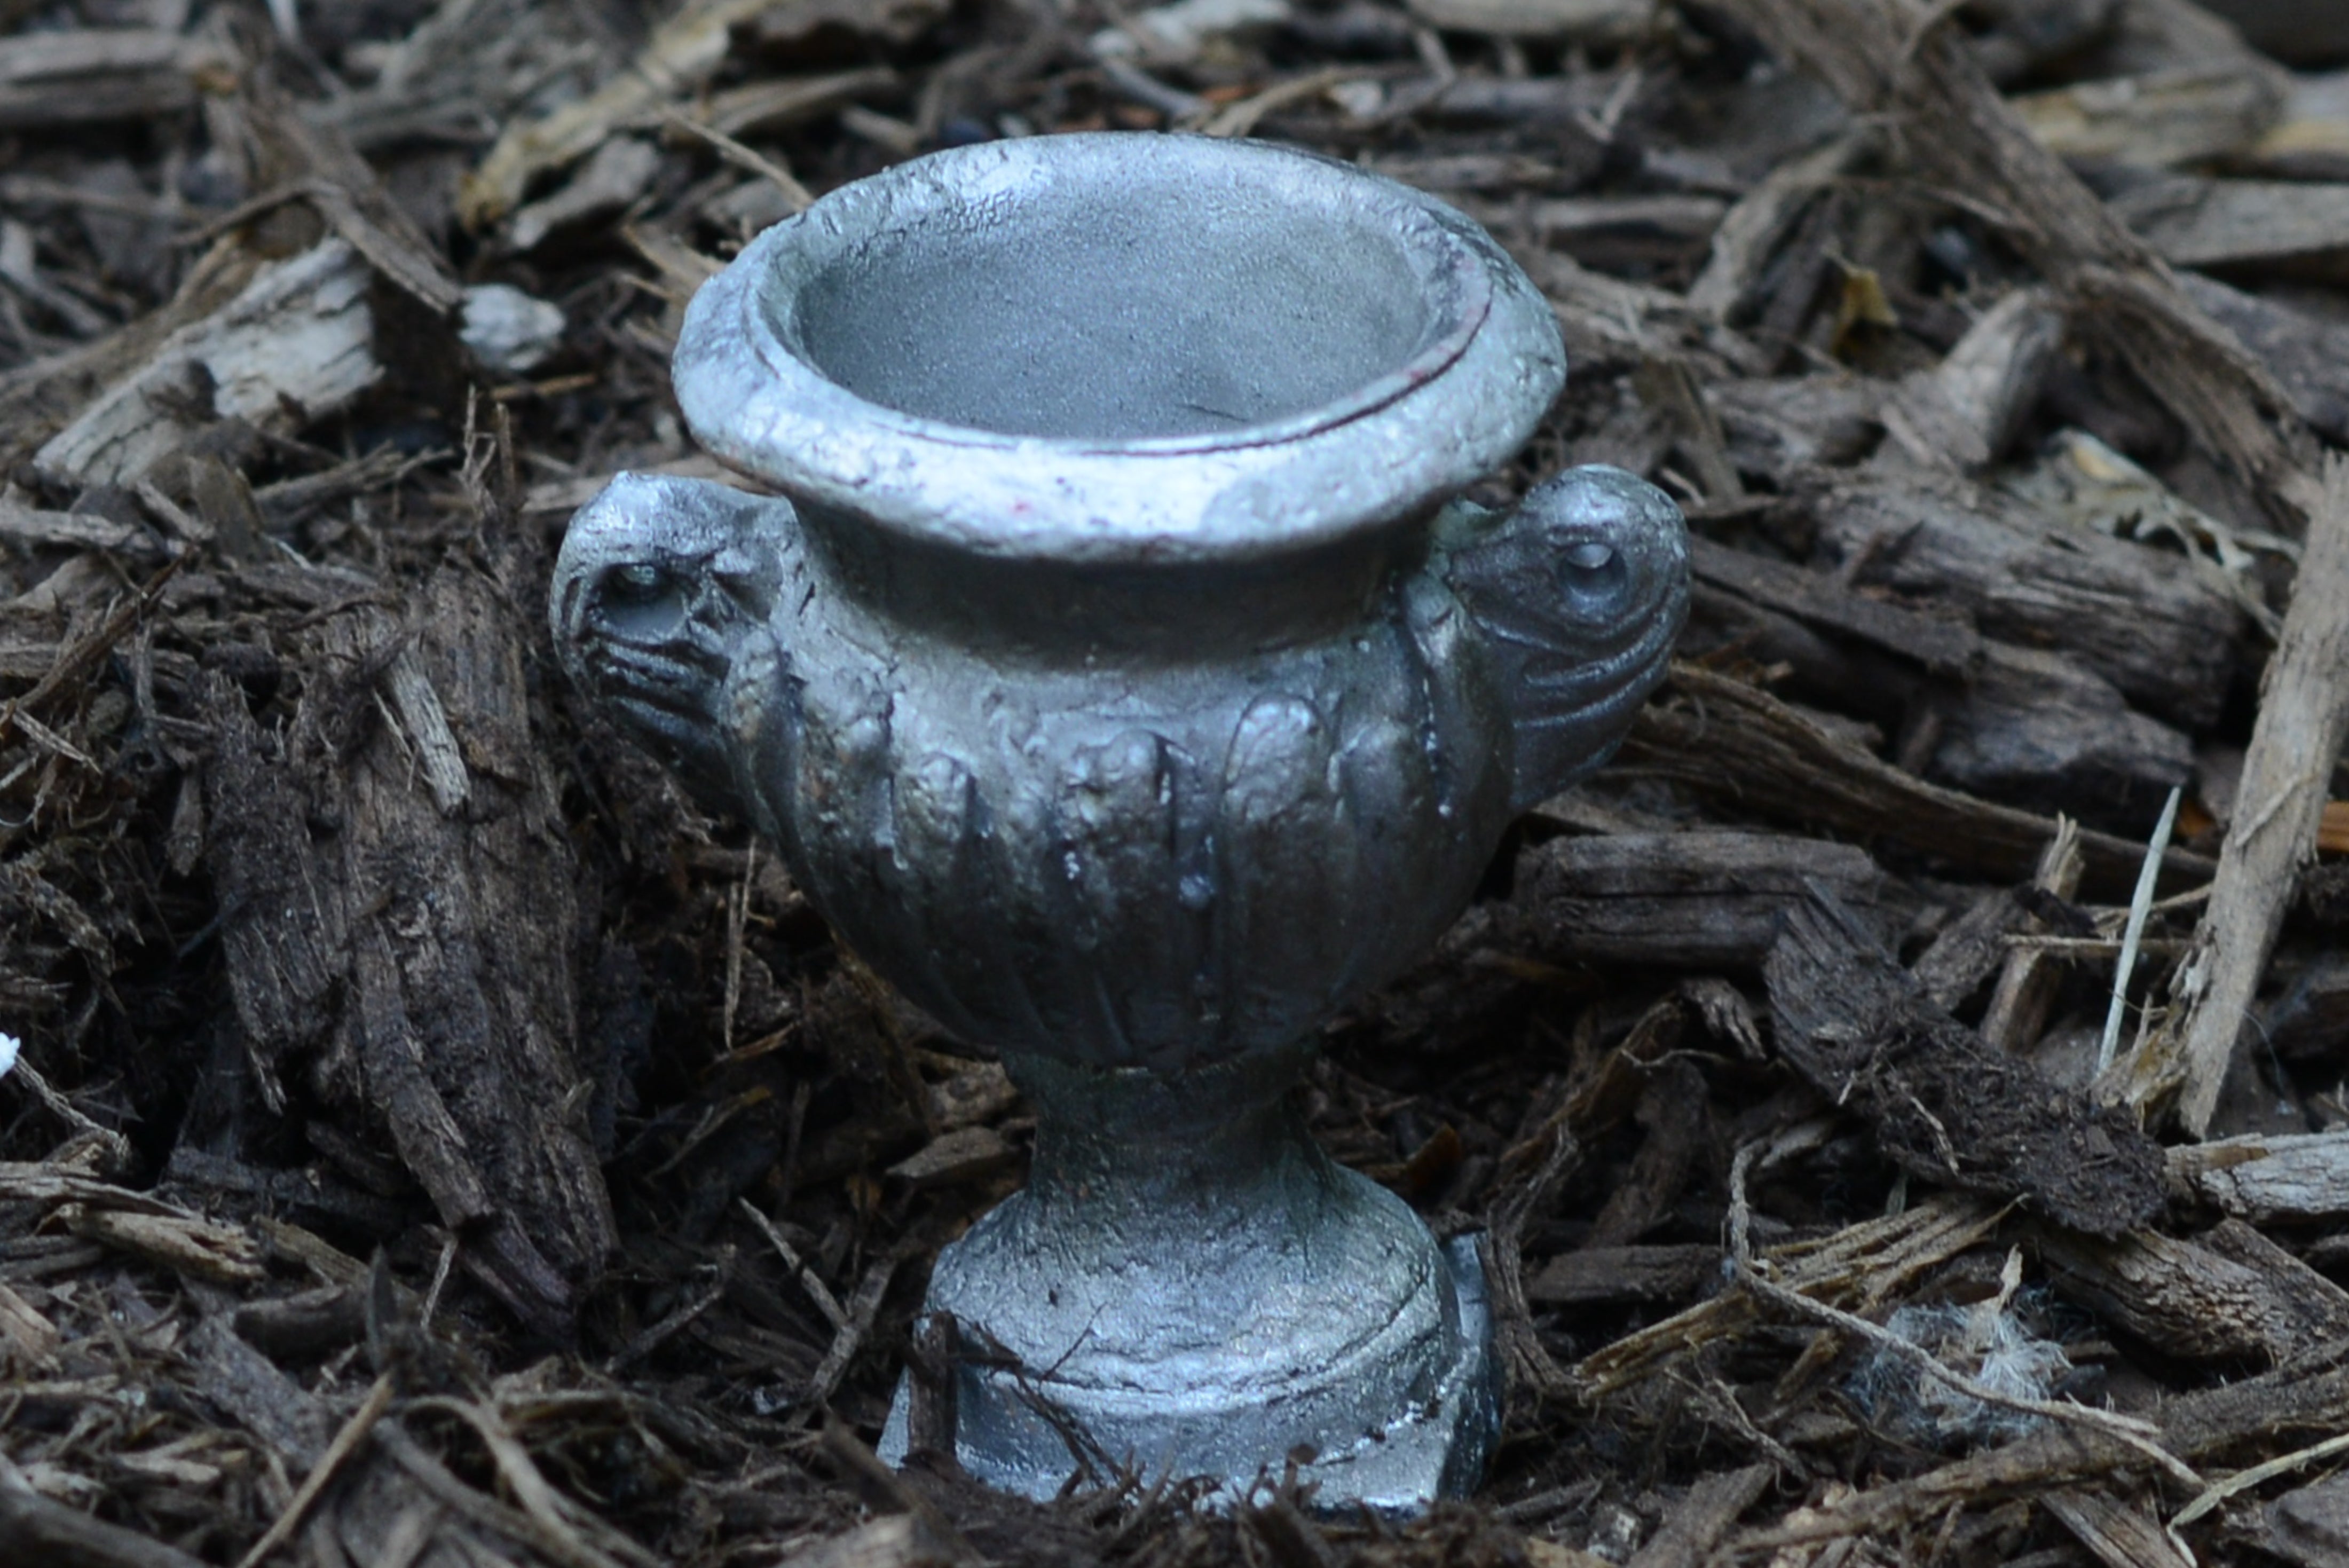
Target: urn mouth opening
[
  {"x": 1141, "y": 295},
  {"x": 1119, "y": 348}
]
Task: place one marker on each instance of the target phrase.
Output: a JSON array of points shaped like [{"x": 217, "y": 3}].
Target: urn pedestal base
[
  {"x": 1189, "y": 1287},
  {"x": 1394, "y": 1462}
]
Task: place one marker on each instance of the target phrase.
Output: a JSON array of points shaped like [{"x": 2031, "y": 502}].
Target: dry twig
[{"x": 2287, "y": 772}]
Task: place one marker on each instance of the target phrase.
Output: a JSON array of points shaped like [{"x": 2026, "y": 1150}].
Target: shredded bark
[{"x": 429, "y": 1138}]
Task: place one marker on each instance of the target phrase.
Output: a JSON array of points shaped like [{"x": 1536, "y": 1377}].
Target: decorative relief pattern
[{"x": 1161, "y": 863}]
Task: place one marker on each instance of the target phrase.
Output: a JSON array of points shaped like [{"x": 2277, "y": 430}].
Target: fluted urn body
[{"x": 1122, "y": 682}]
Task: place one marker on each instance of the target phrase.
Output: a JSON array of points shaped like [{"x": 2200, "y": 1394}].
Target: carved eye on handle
[
  {"x": 1594, "y": 577},
  {"x": 636, "y": 582},
  {"x": 640, "y": 599}
]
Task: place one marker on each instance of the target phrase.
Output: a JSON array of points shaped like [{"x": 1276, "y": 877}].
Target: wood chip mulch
[{"x": 1903, "y": 1096}]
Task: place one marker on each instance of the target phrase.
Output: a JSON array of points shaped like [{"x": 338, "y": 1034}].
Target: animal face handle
[
  {"x": 661, "y": 596},
  {"x": 1579, "y": 594}
]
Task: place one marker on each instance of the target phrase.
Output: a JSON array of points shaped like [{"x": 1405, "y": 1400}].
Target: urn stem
[{"x": 1113, "y": 1141}]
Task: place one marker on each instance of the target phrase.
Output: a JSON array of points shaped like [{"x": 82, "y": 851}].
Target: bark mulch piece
[{"x": 1901, "y": 1096}]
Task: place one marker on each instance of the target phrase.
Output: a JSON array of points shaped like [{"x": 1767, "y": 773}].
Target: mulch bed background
[{"x": 436, "y": 1143}]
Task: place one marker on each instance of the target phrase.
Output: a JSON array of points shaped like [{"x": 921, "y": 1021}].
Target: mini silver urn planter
[{"x": 1123, "y": 682}]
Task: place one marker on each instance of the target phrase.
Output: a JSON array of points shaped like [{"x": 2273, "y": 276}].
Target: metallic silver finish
[
  {"x": 1190, "y": 1285},
  {"x": 1119, "y": 683}
]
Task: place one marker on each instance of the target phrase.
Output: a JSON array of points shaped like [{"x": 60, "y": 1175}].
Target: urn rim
[{"x": 1476, "y": 375}]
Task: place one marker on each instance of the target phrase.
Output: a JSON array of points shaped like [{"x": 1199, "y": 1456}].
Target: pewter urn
[{"x": 1121, "y": 677}]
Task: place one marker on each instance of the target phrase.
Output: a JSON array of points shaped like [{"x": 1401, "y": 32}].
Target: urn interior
[{"x": 1121, "y": 301}]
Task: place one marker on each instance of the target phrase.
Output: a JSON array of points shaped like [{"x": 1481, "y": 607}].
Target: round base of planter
[{"x": 1027, "y": 1431}]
